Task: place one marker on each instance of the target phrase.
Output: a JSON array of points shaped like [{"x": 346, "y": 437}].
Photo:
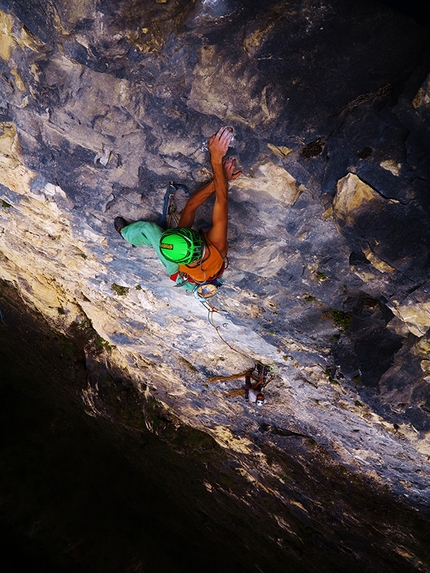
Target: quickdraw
[{"x": 170, "y": 209}]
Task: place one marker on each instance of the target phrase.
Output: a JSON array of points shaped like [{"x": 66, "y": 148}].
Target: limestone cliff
[{"x": 103, "y": 103}]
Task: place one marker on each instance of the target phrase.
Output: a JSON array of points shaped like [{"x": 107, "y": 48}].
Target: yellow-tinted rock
[
  {"x": 14, "y": 34},
  {"x": 352, "y": 197},
  {"x": 6, "y": 40},
  {"x": 377, "y": 262},
  {"x": 13, "y": 173},
  {"x": 416, "y": 316},
  {"x": 422, "y": 97},
  {"x": 391, "y": 166},
  {"x": 280, "y": 150},
  {"x": 422, "y": 347},
  {"x": 274, "y": 180}
]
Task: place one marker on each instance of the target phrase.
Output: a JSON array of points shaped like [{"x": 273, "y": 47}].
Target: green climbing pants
[{"x": 148, "y": 233}]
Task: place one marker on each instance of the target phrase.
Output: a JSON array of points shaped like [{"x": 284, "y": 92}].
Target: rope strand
[{"x": 211, "y": 312}]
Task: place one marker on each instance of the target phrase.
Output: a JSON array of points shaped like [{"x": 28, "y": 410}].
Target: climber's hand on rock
[
  {"x": 218, "y": 144},
  {"x": 229, "y": 168}
]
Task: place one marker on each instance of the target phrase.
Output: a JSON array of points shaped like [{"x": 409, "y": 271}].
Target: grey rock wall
[{"x": 104, "y": 103}]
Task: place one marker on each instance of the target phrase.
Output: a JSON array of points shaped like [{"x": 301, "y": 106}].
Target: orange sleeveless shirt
[{"x": 208, "y": 267}]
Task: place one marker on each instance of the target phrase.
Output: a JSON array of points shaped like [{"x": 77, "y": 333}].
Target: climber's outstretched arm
[
  {"x": 218, "y": 146},
  {"x": 189, "y": 211},
  {"x": 195, "y": 201}
]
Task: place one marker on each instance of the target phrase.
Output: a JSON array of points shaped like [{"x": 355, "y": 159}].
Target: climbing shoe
[{"x": 119, "y": 224}]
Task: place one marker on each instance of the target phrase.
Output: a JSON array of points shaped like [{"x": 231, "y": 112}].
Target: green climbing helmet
[{"x": 182, "y": 246}]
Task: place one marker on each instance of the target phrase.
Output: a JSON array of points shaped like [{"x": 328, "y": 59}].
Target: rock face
[{"x": 104, "y": 103}]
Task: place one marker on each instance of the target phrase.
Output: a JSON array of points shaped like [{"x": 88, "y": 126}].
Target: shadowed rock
[{"x": 103, "y": 103}]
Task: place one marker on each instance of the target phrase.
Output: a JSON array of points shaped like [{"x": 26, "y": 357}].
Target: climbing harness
[{"x": 206, "y": 291}]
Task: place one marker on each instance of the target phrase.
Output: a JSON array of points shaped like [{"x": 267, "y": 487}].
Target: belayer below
[
  {"x": 256, "y": 379},
  {"x": 190, "y": 257}
]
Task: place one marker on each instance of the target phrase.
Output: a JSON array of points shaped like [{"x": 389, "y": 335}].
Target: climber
[
  {"x": 256, "y": 379},
  {"x": 190, "y": 257}
]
